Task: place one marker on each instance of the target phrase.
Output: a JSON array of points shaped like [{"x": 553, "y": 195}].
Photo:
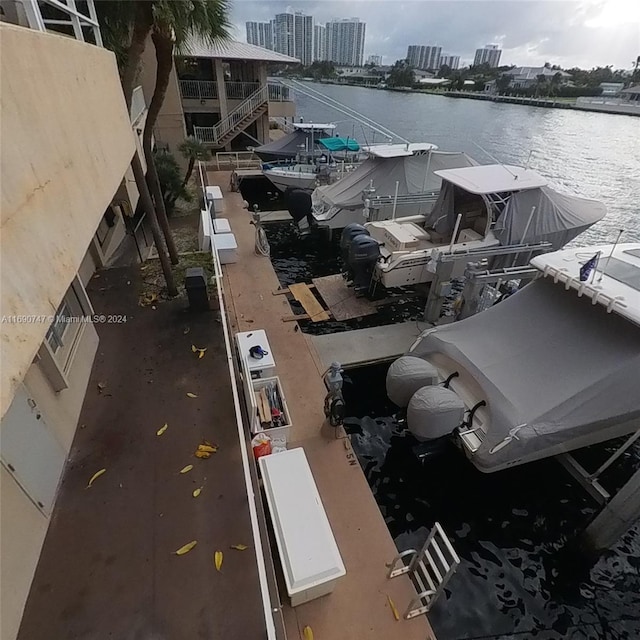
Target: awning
[{"x": 340, "y": 144}]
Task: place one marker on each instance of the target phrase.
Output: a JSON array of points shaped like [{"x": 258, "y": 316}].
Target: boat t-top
[{"x": 302, "y": 139}]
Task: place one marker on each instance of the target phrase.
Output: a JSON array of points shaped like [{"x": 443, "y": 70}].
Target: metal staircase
[{"x": 238, "y": 120}]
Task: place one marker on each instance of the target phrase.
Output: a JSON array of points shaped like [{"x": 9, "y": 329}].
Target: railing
[
  {"x": 282, "y": 124},
  {"x": 199, "y": 89},
  {"x": 604, "y": 100},
  {"x": 240, "y": 90},
  {"x": 138, "y": 105},
  {"x": 279, "y": 93},
  {"x": 213, "y": 135},
  {"x": 236, "y": 160}
]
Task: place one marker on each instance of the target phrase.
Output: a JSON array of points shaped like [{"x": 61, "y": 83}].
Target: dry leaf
[
  {"x": 196, "y": 492},
  {"x": 193, "y": 348},
  {"x": 160, "y": 431},
  {"x": 203, "y": 455},
  {"x": 239, "y": 547},
  {"x": 186, "y": 469},
  {"x": 101, "y": 386},
  {"x": 96, "y": 475},
  {"x": 217, "y": 559},
  {"x": 191, "y": 395},
  {"x": 187, "y": 547},
  {"x": 208, "y": 448},
  {"x": 394, "y": 610},
  {"x": 201, "y": 354},
  {"x": 186, "y": 330},
  {"x": 307, "y": 632}
]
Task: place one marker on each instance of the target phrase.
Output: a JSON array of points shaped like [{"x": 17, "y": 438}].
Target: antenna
[{"x": 515, "y": 177}]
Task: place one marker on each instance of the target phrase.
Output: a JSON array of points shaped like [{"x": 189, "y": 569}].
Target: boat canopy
[
  {"x": 548, "y": 363},
  {"x": 414, "y": 174},
  {"x": 398, "y": 150},
  {"x": 493, "y": 178},
  {"x": 289, "y": 146},
  {"x": 339, "y": 144}
]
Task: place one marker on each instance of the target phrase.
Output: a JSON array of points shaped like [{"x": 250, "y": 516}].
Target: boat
[
  {"x": 303, "y": 139},
  {"x": 550, "y": 369},
  {"x": 339, "y": 157},
  {"x": 395, "y": 180},
  {"x": 478, "y": 207}
]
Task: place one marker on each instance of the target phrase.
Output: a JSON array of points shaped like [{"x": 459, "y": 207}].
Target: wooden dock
[
  {"x": 310, "y": 303},
  {"x": 341, "y": 299}
]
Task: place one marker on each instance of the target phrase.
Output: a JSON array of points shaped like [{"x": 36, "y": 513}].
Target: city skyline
[{"x": 582, "y": 33}]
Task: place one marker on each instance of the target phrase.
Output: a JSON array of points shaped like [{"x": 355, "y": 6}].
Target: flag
[{"x": 588, "y": 267}]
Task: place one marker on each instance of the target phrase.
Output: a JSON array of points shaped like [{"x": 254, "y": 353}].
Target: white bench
[{"x": 310, "y": 558}]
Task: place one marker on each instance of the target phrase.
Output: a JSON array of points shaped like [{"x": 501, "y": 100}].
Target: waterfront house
[
  {"x": 611, "y": 88},
  {"x": 631, "y": 94},
  {"x": 68, "y": 195},
  {"x": 527, "y": 77},
  {"x": 220, "y": 94}
]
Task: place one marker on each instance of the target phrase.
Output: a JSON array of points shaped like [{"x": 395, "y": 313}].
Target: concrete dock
[{"x": 359, "y": 606}]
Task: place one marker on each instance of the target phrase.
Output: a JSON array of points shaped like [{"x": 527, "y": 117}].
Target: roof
[
  {"x": 493, "y": 178},
  {"x": 309, "y": 126},
  {"x": 634, "y": 89},
  {"x": 531, "y": 73},
  {"x": 398, "y": 150},
  {"x": 234, "y": 50}
]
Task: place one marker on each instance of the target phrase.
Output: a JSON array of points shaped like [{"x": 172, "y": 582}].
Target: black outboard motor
[
  {"x": 348, "y": 234},
  {"x": 298, "y": 204},
  {"x": 364, "y": 253}
]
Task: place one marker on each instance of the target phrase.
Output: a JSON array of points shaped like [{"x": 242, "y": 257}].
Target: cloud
[{"x": 582, "y": 33}]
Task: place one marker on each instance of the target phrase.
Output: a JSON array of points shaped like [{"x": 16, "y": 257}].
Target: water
[
  {"x": 521, "y": 574},
  {"x": 593, "y": 155}
]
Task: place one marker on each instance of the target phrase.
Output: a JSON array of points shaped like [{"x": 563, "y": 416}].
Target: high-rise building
[
  {"x": 453, "y": 62},
  {"x": 376, "y": 61},
  {"x": 260, "y": 34},
  {"x": 293, "y": 36},
  {"x": 490, "y": 54},
  {"x": 424, "y": 56},
  {"x": 345, "y": 41},
  {"x": 319, "y": 42}
]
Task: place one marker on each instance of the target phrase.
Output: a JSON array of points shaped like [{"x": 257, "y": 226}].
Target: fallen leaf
[
  {"x": 191, "y": 395},
  {"x": 160, "y": 431},
  {"x": 186, "y": 548},
  {"x": 394, "y": 610},
  {"x": 186, "y": 330},
  {"x": 307, "y": 632},
  {"x": 196, "y": 492},
  {"x": 217, "y": 559},
  {"x": 101, "y": 386},
  {"x": 201, "y": 354},
  {"x": 203, "y": 455},
  {"x": 239, "y": 547},
  {"x": 96, "y": 475},
  {"x": 208, "y": 448},
  {"x": 186, "y": 469},
  {"x": 193, "y": 348}
]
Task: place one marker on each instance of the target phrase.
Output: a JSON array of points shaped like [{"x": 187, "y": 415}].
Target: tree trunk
[
  {"x": 192, "y": 163},
  {"x": 141, "y": 28},
  {"x": 138, "y": 173},
  {"x": 164, "y": 59}
]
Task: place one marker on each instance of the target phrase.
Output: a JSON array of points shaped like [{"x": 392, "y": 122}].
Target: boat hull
[{"x": 284, "y": 180}]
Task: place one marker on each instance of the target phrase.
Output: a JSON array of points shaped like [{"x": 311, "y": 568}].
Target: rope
[{"x": 262, "y": 247}]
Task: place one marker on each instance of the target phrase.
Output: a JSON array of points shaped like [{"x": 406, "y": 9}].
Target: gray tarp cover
[
  {"x": 558, "y": 218},
  {"x": 547, "y": 358},
  {"x": 290, "y": 145},
  {"x": 409, "y": 171}
]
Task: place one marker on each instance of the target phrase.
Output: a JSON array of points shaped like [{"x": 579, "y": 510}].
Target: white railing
[
  {"x": 240, "y": 90},
  {"x": 282, "y": 124},
  {"x": 138, "y": 105},
  {"x": 237, "y": 160},
  {"x": 279, "y": 93},
  {"x": 76, "y": 19},
  {"x": 199, "y": 89},
  {"x": 213, "y": 135},
  {"x": 605, "y": 100}
]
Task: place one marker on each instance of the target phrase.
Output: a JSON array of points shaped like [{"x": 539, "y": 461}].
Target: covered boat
[
  {"x": 550, "y": 369},
  {"x": 303, "y": 139}
]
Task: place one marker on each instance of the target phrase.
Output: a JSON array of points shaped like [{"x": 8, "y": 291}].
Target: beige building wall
[{"x": 58, "y": 175}]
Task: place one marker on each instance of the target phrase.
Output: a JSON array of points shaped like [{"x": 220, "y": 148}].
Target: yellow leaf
[
  {"x": 193, "y": 348},
  {"x": 239, "y": 547},
  {"x": 394, "y": 610},
  {"x": 186, "y": 469},
  {"x": 186, "y": 548},
  {"x": 201, "y": 354},
  {"x": 196, "y": 492},
  {"x": 217, "y": 559},
  {"x": 307, "y": 632},
  {"x": 160, "y": 431},
  {"x": 208, "y": 448},
  {"x": 96, "y": 475},
  {"x": 191, "y": 395},
  {"x": 203, "y": 455}
]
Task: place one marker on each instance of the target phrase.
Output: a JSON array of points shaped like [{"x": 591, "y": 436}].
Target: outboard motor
[
  {"x": 299, "y": 206},
  {"x": 348, "y": 234},
  {"x": 364, "y": 253}
]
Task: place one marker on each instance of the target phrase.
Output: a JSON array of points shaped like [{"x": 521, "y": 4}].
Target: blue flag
[{"x": 588, "y": 267}]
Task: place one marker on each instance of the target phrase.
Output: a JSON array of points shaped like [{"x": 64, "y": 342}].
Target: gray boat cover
[
  {"x": 558, "y": 218},
  {"x": 409, "y": 171},
  {"x": 290, "y": 145},
  {"x": 549, "y": 360}
]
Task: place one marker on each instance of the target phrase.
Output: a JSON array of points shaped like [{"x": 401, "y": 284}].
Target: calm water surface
[{"x": 594, "y": 155}]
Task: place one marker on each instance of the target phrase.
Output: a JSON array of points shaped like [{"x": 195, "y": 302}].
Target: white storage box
[
  {"x": 281, "y": 434},
  {"x": 258, "y": 338},
  {"x": 214, "y": 195},
  {"x": 226, "y": 246},
  {"x": 204, "y": 231},
  {"x": 221, "y": 225},
  {"x": 308, "y": 551}
]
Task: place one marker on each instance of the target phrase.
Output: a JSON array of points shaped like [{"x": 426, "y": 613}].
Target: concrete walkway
[
  {"x": 364, "y": 346},
  {"x": 358, "y": 608}
]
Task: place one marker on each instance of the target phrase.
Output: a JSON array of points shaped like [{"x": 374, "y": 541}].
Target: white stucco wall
[{"x": 66, "y": 143}]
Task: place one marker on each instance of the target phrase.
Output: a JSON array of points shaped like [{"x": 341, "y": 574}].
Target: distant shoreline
[{"x": 548, "y": 103}]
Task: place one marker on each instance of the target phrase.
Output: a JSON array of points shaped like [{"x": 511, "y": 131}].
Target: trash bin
[{"x": 195, "y": 283}]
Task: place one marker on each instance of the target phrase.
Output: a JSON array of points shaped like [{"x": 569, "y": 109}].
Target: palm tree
[
  {"x": 173, "y": 24},
  {"x": 192, "y": 149}
]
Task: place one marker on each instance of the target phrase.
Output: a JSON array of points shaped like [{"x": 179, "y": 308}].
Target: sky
[{"x": 582, "y": 33}]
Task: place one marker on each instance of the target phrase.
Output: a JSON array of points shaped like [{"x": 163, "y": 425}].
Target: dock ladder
[{"x": 430, "y": 569}]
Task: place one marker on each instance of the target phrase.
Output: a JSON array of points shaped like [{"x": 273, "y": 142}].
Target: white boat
[
  {"x": 306, "y": 176},
  {"x": 550, "y": 369},
  {"x": 478, "y": 207},
  {"x": 396, "y": 179}
]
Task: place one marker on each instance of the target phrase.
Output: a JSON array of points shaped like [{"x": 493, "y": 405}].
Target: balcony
[{"x": 208, "y": 90}]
